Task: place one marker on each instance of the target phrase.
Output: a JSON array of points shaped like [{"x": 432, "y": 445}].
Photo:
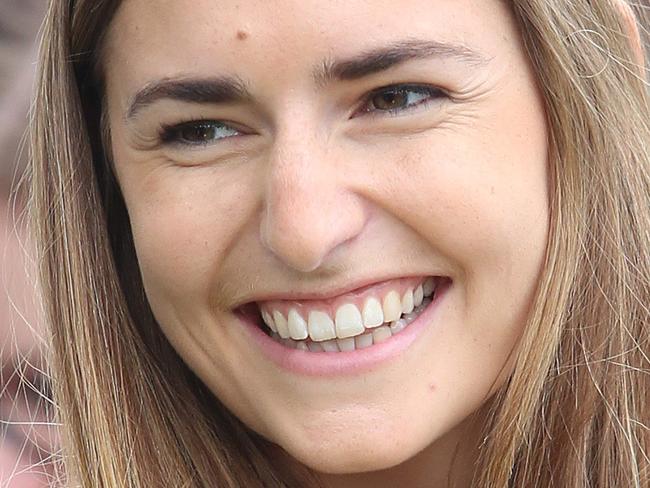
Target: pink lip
[
  {"x": 354, "y": 289},
  {"x": 329, "y": 364}
]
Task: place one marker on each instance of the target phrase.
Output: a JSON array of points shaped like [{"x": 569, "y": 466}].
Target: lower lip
[{"x": 355, "y": 362}]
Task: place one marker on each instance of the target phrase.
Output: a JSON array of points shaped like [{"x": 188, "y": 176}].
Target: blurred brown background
[{"x": 27, "y": 437}]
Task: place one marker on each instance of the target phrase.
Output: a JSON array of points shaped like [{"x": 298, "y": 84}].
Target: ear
[{"x": 632, "y": 29}]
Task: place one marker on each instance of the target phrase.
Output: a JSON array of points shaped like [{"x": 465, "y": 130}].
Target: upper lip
[{"x": 327, "y": 293}]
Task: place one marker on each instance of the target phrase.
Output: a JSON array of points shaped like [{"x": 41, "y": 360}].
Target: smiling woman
[{"x": 281, "y": 253}]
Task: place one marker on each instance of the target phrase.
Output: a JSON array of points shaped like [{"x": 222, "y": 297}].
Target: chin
[
  {"x": 354, "y": 455},
  {"x": 340, "y": 463}
]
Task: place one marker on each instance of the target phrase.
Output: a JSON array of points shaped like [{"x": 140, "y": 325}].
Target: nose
[{"x": 309, "y": 210}]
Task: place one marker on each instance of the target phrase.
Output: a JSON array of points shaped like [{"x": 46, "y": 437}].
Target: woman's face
[{"x": 317, "y": 162}]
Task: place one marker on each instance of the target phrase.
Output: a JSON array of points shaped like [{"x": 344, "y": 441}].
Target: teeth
[
  {"x": 409, "y": 317},
  {"x": 281, "y": 324},
  {"x": 315, "y": 347},
  {"x": 392, "y": 307},
  {"x": 346, "y": 345},
  {"x": 373, "y": 315},
  {"x": 428, "y": 287},
  {"x": 380, "y": 334},
  {"x": 418, "y": 296},
  {"x": 363, "y": 341},
  {"x": 398, "y": 326},
  {"x": 297, "y": 325},
  {"x": 376, "y": 335},
  {"x": 391, "y": 316},
  {"x": 407, "y": 302},
  {"x": 268, "y": 320},
  {"x": 289, "y": 343},
  {"x": 321, "y": 327},
  {"x": 348, "y": 321},
  {"x": 330, "y": 346}
]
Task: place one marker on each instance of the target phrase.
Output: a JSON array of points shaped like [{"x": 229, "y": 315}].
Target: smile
[
  {"x": 349, "y": 322},
  {"x": 348, "y": 334}
]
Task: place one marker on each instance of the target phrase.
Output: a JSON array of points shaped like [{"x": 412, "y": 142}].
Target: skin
[{"x": 314, "y": 194}]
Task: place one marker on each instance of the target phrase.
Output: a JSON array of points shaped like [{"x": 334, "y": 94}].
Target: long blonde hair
[{"x": 576, "y": 410}]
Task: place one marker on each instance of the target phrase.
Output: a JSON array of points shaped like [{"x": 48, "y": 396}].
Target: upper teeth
[{"x": 348, "y": 320}]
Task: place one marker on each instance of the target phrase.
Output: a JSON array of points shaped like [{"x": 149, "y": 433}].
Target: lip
[
  {"x": 334, "y": 364},
  {"x": 354, "y": 289}
]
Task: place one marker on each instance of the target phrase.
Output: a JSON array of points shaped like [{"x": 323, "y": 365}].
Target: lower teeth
[{"x": 367, "y": 339}]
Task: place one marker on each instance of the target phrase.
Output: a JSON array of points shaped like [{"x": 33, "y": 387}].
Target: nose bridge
[{"x": 308, "y": 209}]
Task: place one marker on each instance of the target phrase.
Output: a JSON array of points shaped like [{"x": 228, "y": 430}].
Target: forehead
[{"x": 248, "y": 37}]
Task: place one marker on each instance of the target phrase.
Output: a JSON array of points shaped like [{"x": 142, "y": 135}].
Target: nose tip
[
  {"x": 310, "y": 206},
  {"x": 303, "y": 230}
]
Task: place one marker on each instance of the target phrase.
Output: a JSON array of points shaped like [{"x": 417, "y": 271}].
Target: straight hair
[{"x": 576, "y": 409}]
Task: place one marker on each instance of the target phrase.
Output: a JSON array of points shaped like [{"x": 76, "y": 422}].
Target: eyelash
[{"x": 173, "y": 134}]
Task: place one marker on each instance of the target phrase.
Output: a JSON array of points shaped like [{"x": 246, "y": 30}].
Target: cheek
[
  {"x": 184, "y": 223},
  {"x": 488, "y": 187},
  {"x": 480, "y": 207},
  {"x": 480, "y": 199}
]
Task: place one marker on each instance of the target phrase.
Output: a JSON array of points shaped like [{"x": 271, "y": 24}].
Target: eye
[
  {"x": 399, "y": 98},
  {"x": 197, "y": 133}
]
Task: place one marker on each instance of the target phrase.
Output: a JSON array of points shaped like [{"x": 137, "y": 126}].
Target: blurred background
[{"x": 27, "y": 434}]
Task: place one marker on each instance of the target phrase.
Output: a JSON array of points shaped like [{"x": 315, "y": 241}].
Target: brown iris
[
  {"x": 390, "y": 99},
  {"x": 198, "y": 133},
  {"x": 201, "y": 132}
]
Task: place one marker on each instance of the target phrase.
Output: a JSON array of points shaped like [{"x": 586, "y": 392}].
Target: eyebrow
[
  {"x": 385, "y": 57},
  {"x": 194, "y": 90},
  {"x": 228, "y": 89}
]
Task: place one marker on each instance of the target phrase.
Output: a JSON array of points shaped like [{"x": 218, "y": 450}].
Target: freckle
[
  {"x": 432, "y": 387},
  {"x": 242, "y": 35}
]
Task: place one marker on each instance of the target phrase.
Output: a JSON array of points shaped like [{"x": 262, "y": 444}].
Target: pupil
[
  {"x": 389, "y": 100},
  {"x": 198, "y": 134}
]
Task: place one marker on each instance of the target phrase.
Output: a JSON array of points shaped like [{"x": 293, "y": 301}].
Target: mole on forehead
[{"x": 242, "y": 35}]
